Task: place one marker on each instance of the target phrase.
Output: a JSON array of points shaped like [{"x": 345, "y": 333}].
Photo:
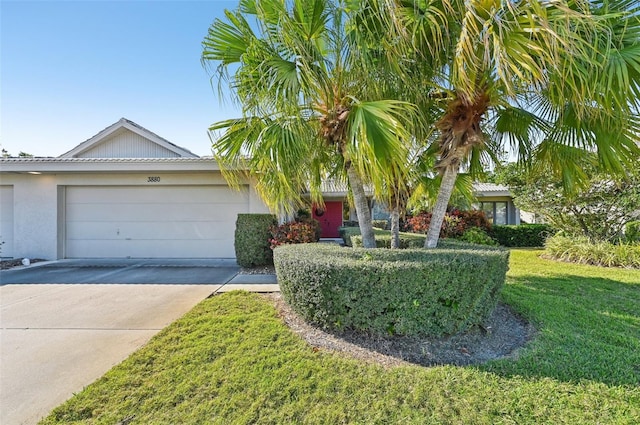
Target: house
[
  {"x": 497, "y": 203},
  {"x": 495, "y": 200},
  {"x": 125, "y": 192}
]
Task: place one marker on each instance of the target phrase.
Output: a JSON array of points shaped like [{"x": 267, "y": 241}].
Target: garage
[
  {"x": 123, "y": 193},
  {"x": 196, "y": 221},
  {"x": 6, "y": 221}
]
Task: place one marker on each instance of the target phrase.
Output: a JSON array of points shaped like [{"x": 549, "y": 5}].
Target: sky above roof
[{"x": 71, "y": 68}]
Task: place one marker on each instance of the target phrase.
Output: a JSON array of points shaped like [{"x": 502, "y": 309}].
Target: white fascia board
[{"x": 493, "y": 194}]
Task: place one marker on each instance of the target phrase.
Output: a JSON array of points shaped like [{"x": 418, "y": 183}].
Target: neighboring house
[
  {"x": 495, "y": 200},
  {"x": 125, "y": 192},
  {"x": 497, "y": 203}
]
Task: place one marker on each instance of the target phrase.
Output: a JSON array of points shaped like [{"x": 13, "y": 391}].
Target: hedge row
[
  {"x": 523, "y": 235},
  {"x": 407, "y": 240},
  {"x": 403, "y": 292},
  {"x": 252, "y": 235}
]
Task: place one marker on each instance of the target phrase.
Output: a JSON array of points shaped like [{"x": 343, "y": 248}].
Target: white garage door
[
  {"x": 6, "y": 221},
  {"x": 152, "y": 222}
]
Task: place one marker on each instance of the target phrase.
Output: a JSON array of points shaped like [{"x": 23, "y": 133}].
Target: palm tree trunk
[
  {"x": 440, "y": 209},
  {"x": 362, "y": 208},
  {"x": 395, "y": 228}
]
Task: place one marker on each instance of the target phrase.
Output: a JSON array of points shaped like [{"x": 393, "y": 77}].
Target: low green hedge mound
[
  {"x": 523, "y": 235},
  {"x": 252, "y": 235},
  {"x": 402, "y": 292}
]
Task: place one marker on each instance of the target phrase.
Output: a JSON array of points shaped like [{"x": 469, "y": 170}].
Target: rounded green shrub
[
  {"x": 478, "y": 236},
  {"x": 401, "y": 292},
  {"x": 252, "y": 235}
]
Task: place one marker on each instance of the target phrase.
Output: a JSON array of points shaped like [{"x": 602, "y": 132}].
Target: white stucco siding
[
  {"x": 157, "y": 221},
  {"x": 6, "y": 221},
  {"x": 35, "y": 215}
]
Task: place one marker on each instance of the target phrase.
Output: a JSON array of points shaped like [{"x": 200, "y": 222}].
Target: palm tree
[
  {"x": 554, "y": 80},
  {"x": 309, "y": 108}
]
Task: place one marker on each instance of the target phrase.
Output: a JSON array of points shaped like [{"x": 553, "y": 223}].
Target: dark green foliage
[
  {"x": 347, "y": 232},
  {"x": 478, "y": 236},
  {"x": 407, "y": 240},
  {"x": 599, "y": 211},
  {"x": 632, "y": 232},
  {"x": 524, "y": 235},
  {"x": 381, "y": 224},
  {"x": 252, "y": 239},
  {"x": 403, "y": 292}
]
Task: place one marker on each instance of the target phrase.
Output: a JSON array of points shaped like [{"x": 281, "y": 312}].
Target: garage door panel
[
  {"x": 160, "y": 231},
  {"x": 146, "y": 222},
  {"x": 142, "y": 249},
  {"x": 149, "y": 195},
  {"x": 152, "y": 212}
]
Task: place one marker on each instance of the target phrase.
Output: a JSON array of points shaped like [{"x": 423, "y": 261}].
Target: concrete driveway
[{"x": 64, "y": 324}]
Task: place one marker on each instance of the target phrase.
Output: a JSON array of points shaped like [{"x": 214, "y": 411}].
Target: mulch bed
[
  {"x": 501, "y": 336},
  {"x": 15, "y": 262}
]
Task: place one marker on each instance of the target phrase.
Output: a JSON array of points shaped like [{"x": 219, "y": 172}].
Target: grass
[{"x": 231, "y": 360}]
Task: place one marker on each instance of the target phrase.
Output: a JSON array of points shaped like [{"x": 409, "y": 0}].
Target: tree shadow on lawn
[{"x": 588, "y": 329}]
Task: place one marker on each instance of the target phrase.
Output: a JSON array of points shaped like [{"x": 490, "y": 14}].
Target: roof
[
  {"x": 62, "y": 165},
  {"x": 490, "y": 189},
  {"x": 337, "y": 188},
  {"x": 108, "y": 134}
]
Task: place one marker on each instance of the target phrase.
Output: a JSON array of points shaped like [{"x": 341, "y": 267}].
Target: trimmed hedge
[
  {"x": 402, "y": 292},
  {"x": 380, "y": 224},
  {"x": 252, "y": 235},
  {"x": 351, "y": 237},
  {"x": 523, "y": 235},
  {"x": 407, "y": 240},
  {"x": 347, "y": 232}
]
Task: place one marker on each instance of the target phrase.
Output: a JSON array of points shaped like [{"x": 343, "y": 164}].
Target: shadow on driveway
[{"x": 125, "y": 271}]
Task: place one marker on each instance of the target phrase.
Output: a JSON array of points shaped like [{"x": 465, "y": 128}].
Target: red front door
[{"x": 330, "y": 218}]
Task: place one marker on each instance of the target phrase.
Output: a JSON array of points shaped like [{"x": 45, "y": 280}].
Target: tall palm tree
[
  {"x": 554, "y": 80},
  {"x": 309, "y": 108}
]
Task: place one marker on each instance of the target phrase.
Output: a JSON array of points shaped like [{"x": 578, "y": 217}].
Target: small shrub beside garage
[
  {"x": 252, "y": 235},
  {"x": 401, "y": 292}
]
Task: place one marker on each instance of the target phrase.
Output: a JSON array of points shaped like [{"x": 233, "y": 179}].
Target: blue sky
[{"x": 71, "y": 68}]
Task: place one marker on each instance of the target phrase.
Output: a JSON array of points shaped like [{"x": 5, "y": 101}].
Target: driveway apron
[{"x": 65, "y": 324}]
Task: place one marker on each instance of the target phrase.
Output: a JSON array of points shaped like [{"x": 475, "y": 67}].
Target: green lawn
[{"x": 232, "y": 361}]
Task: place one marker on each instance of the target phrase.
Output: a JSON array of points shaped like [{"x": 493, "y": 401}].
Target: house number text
[{"x": 154, "y": 179}]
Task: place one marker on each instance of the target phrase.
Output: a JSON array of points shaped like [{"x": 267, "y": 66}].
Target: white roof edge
[
  {"x": 134, "y": 127},
  {"x": 99, "y": 165}
]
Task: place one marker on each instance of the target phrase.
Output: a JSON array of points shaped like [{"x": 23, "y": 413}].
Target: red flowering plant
[
  {"x": 455, "y": 223},
  {"x": 293, "y": 232}
]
